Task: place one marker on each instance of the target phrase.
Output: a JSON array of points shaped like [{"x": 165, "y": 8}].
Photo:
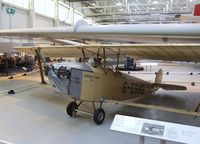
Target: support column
[
  {"x": 56, "y": 19},
  {"x": 31, "y": 14},
  {"x": 0, "y": 14},
  {"x": 56, "y": 22},
  {"x": 141, "y": 139},
  {"x": 31, "y": 19},
  {"x": 162, "y": 142},
  {"x": 73, "y": 14}
]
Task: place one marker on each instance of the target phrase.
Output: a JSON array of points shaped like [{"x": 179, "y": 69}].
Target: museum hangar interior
[{"x": 99, "y": 71}]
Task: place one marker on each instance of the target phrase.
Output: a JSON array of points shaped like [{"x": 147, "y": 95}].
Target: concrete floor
[{"x": 36, "y": 113}]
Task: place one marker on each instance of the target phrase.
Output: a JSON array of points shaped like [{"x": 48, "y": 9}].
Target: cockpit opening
[{"x": 63, "y": 73}]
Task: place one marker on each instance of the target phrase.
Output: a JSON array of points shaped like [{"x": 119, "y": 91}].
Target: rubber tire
[
  {"x": 99, "y": 116},
  {"x": 70, "y": 108}
]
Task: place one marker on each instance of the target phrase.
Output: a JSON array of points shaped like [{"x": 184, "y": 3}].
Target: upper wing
[
  {"x": 171, "y": 52},
  {"x": 162, "y": 33}
]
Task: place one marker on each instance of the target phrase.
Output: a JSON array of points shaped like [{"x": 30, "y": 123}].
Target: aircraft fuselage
[{"x": 88, "y": 83}]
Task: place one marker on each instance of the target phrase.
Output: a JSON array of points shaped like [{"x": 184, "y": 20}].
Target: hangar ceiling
[{"x": 133, "y": 11}]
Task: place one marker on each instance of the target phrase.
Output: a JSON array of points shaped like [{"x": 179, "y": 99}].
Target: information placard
[{"x": 157, "y": 129}]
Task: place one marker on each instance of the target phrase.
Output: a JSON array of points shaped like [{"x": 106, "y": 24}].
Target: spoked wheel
[
  {"x": 99, "y": 116},
  {"x": 71, "y": 109}
]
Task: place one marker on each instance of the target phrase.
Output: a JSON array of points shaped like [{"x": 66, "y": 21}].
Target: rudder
[{"x": 159, "y": 76}]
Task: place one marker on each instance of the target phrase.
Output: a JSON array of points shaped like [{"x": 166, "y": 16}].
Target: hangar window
[
  {"x": 45, "y": 7},
  {"x": 63, "y": 13},
  {"x": 77, "y": 17},
  {"x": 67, "y": 14},
  {"x": 20, "y": 3}
]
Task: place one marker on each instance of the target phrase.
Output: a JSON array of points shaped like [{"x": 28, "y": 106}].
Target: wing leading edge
[{"x": 162, "y": 33}]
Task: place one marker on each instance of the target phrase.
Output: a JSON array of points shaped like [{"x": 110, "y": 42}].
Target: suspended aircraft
[{"x": 133, "y": 33}]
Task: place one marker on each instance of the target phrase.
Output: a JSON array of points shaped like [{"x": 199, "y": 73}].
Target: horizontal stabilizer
[{"x": 170, "y": 86}]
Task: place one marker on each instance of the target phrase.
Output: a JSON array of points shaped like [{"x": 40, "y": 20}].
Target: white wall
[
  {"x": 21, "y": 19},
  {"x": 42, "y": 21},
  {"x": 18, "y": 20}
]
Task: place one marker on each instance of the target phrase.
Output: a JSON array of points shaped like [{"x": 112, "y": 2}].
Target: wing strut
[
  {"x": 40, "y": 66},
  {"x": 197, "y": 109},
  {"x": 83, "y": 52},
  {"x": 118, "y": 54},
  {"x": 104, "y": 58}
]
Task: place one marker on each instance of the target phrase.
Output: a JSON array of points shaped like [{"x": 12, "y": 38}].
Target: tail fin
[
  {"x": 158, "y": 83},
  {"x": 197, "y": 10},
  {"x": 159, "y": 76}
]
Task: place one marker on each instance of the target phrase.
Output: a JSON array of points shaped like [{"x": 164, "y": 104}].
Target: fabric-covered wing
[{"x": 171, "y": 52}]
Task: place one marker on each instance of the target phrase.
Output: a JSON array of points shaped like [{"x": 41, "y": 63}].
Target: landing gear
[
  {"x": 98, "y": 115},
  {"x": 71, "y": 107}
]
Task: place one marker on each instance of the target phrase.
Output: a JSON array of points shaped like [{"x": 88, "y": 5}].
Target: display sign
[
  {"x": 156, "y": 129},
  {"x": 11, "y": 11}
]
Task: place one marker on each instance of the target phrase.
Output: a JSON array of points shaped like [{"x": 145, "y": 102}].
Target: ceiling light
[
  {"x": 93, "y": 4},
  {"x": 155, "y": 2},
  {"x": 121, "y": 9},
  {"x": 119, "y": 4}
]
